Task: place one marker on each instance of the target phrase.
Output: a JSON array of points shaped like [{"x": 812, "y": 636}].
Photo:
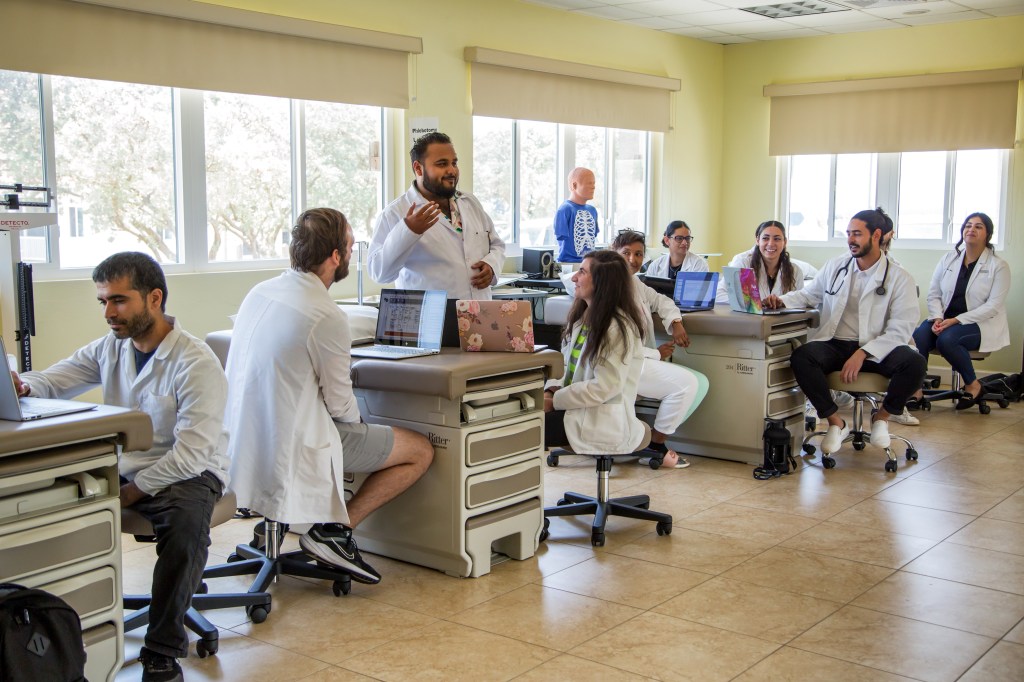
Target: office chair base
[
  {"x": 860, "y": 439},
  {"x": 297, "y": 563}
]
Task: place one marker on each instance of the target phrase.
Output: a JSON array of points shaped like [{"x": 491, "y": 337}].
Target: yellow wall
[{"x": 748, "y": 179}]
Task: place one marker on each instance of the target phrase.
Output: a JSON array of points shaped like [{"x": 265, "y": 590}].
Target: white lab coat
[
  {"x": 440, "y": 258},
  {"x": 986, "y": 296},
  {"x": 743, "y": 260},
  {"x": 692, "y": 263},
  {"x": 599, "y": 414},
  {"x": 182, "y": 388},
  {"x": 289, "y": 381},
  {"x": 884, "y": 323}
]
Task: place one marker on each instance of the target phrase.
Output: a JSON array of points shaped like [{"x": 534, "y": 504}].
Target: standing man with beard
[
  {"x": 149, "y": 363},
  {"x": 291, "y": 410},
  {"x": 869, "y": 309},
  {"x": 434, "y": 236}
]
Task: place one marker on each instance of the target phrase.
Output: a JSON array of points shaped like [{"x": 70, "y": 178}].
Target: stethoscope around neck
[{"x": 833, "y": 289}]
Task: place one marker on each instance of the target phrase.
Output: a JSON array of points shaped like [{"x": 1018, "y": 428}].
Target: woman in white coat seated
[
  {"x": 679, "y": 388},
  {"x": 776, "y": 272},
  {"x": 967, "y": 304},
  {"x": 677, "y": 239},
  {"x": 591, "y": 407}
]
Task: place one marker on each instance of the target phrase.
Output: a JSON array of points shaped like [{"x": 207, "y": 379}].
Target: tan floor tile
[
  {"x": 666, "y": 648},
  {"x": 288, "y": 626},
  {"x": 862, "y": 484},
  {"x": 1004, "y": 663},
  {"x": 618, "y": 530},
  {"x": 1002, "y": 536},
  {"x": 224, "y": 537},
  {"x": 971, "y": 565},
  {"x": 1005, "y": 441},
  {"x": 789, "y": 665},
  {"x": 545, "y": 616},
  {"x": 335, "y": 674},
  {"x": 857, "y": 543},
  {"x": 942, "y": 602},
  {"x": 1010, "y": 509},
  {"x": 898, "y": 645},
  {"x": 551, "y": 556},
  {"x": 746, "y": 523},
  {"x": 932, "y": 495},
  {"x": 1016, "y": 634},
  {"x": 892, "y": 517},
  {"x": 813, "y": 503},
  {"x": 694, "y": 485},
  {"x": 239, "y": 658},
  {"x": 703, "y": 552},
  {"x": 964, "y": 434},
  {"x": 737, "y": 607},
  {"x": 649, "y": 583},
  {"x": 814, "y": 575},
  {"x": 566, "y": 667},
  {"x": 468, "y": 654},
  {"x": 722, "y": 467},
  {"x": 986, "y": 470}
]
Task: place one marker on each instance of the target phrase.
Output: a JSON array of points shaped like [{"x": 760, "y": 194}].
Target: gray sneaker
[
  {"x": 159, "y": 668},
  {"x": 906, "y": 419},
  {"x": 333, "y": 544}
]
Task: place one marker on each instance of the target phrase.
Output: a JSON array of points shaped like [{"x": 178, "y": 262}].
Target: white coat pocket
[{"x": 163, "y": 412}]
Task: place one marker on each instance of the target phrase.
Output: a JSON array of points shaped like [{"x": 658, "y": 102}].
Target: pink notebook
[{"x": 495, "y": 326}]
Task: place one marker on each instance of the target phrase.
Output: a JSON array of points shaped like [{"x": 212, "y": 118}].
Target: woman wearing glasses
[
  {"x": 678, "y": 259},
  {"x": 775, "y": 271}
]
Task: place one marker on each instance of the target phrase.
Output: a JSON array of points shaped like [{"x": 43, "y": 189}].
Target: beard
[
  {"x": 133, "y": 327},
  {"x": 340, "y": 272},
  {"x": 862, "y": 251},
  {"x": 438, "y": 188}
]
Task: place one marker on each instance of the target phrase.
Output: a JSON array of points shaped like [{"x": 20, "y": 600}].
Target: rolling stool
[
  {"x": 601, "y": 506},
  {"x": 867, "y": 383},
  {"x": 209, "y": 638},
  {"x": 957, "y": 391}
]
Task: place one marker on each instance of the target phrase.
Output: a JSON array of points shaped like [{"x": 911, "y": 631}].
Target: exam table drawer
[
  {"x": 494, "y": 444},
  {"x": 780, "y": 374},
  {"x": 88, "y": 593},
  {"x": 498, "y": 484},
  {"x": 782, "y": 403},
  {"x": 50, "y": 544}
]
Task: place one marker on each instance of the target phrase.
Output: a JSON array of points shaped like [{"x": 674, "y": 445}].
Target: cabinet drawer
[
  {"x": 492, "y": 444},
  {"x": 88, "y": 593},
  {"x": 782, "y": 403},
  {"x": 780, "y": 374},
  {"x": 102, "y": 652},
  {"x": 498, "y": 484},
  {"x": 52, "y": 544}
]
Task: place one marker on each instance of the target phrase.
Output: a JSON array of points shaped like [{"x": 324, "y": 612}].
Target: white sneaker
[
  {"x": 842, "y": 399},
  {"x": 880, "y": 433},
  {"x": 834, "y": 438},
  {"x": 906, "y": 419}
]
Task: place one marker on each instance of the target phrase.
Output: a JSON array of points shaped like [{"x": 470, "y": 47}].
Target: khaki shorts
[{"x": 365, "y": 447}]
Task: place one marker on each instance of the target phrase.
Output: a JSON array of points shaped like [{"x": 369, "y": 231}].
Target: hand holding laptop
[{"x": 20, "y": 386}]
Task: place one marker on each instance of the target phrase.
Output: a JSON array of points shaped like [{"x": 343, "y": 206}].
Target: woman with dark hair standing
[
  {"x": 591, "y": 407},
  {"x": 776, "y": 273},
  {"x": 967, "y": 304},
  {"x": 677, "y": 239}
]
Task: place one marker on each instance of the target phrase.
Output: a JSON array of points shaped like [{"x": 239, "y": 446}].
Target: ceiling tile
[
  {"x": 944, "y": 18},
  {"x": 661, "y": 8},
  {"x": 567, "y": 4},
  {"x": 609, "y": 12},
  {"x": 830, "y": 19},
  {"x": 659, "y": 23},
  {"x": 938, "y": 7},
  {"x": 876, "y": 25},
  {"x": 984, "y": 5},
  {"x": 730, "y": 40},
  {"x": 722, "y": 16},
  {"x": 762, "y": 25},
  {"x": 697, "y": 32},
  {"x": 1004, "y": 11},
  {"x": 783, "y": 35}
]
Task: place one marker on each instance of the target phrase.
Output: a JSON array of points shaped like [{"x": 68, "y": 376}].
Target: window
[
  {"x": 520, "y": 169},
  {"x": 199, "y": 180},
  {"x": 928, "y": 194}
]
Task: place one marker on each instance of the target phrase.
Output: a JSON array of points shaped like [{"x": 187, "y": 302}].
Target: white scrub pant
[{"x": 679, "y": 389}]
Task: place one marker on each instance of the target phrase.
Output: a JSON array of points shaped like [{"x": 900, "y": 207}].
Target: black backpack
[{"x": 40, "y": 637}]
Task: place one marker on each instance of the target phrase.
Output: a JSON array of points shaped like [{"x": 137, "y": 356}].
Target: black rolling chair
[
  {"x": 957, "y": 392},
  {"x": 601, "y": 505}
]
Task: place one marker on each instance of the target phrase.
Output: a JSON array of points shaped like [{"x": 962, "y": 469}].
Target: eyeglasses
[{"x": 680, "y": 240}]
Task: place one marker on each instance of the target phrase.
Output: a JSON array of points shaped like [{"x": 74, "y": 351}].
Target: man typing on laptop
[{"x": 149, "y": 363}]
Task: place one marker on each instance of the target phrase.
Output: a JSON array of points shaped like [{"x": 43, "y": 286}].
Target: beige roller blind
[
  {"x": 968, "y": 110},
  {"x": 510, "y": 85},
  {"x": 189, "y": 44}
]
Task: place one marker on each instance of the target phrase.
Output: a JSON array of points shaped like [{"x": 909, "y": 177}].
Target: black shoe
[
  {"x": 914, "y": 404},
  {"x": 159, "y": 668},
  {"x": 966, "y": 402},
  {"x": 333, "y": 544}
]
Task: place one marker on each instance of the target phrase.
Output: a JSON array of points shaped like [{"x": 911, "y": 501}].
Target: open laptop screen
[
  {"x": 696, "y": 289},
  {"x": 411, "y": 318}
]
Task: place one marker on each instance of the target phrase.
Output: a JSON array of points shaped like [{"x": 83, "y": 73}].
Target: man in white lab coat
[
  {"x": 434, "y": 236},
  {"x": 869, "y": 309},
  {"x": 150, "y": 363},
  {"x": 291, "y": 411}
]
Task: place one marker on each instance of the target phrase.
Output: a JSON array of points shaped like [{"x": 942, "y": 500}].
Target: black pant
[
  {"x": 814, "y": 361},
  {"x": 554, "y": 429},
  {"x": 180, "y": 514}
]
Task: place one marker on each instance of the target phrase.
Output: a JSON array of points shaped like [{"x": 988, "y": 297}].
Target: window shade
[
  {"x": 195, "y": 45},
  {"x": 936, "y": 112},
  {"x": 566, "y": 92}
]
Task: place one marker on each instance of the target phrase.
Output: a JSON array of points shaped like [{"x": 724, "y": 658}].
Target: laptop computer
[
  {"x": 501, "y": 325},
  {"x": 695, "y": 291},
  {"x": 409, "y": 325},
  {"x": 15, "y": 409},
  {"x": 745, "y": 296}
]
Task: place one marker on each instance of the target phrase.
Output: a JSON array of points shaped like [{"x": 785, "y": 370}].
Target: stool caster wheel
[
  {"x": 597, "y": 539},
  {"x": 891, "y": 466},
  {"x": 258, "y": 614},
  {"x": 233, "y": 557},
  {"x": 1003, "y": 403},
  {"x": 828, "y": 462},
  {"x": 858, "y": 446},
  {"x": 562, "y": 502},
  {"x": 926, "y": 405},
  {"x": 664, "y": 528},
  {"x": 810, "y": 423},
  {"x": 552, "y": 460},
  {"x": 203, "y": 589},
  {"x": 341, "y": 587},
  {"x": 545, "y": 533},
  {"x": 911, "y": 455},
  {"x": 809, "y": 449},
  {"x": 984, "y": 408},
  {"x": 655, "y": 463},
  {"x": 935, "y": 382},
  {"x": 206, "y": 648}
]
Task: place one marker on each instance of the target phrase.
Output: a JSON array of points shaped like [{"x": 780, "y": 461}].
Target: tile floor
[{"x": 847, "y": 574}]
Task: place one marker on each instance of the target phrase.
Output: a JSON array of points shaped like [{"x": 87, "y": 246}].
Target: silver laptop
[
  {"x": 15, "y": 409},
  {"x": 695, "y": 291},
  {"x": 409, "y": 325},
  {"x": 745, "y": 296}
]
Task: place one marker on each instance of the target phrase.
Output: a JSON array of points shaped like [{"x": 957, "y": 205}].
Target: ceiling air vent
[{"x": 796, "y": 9}]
